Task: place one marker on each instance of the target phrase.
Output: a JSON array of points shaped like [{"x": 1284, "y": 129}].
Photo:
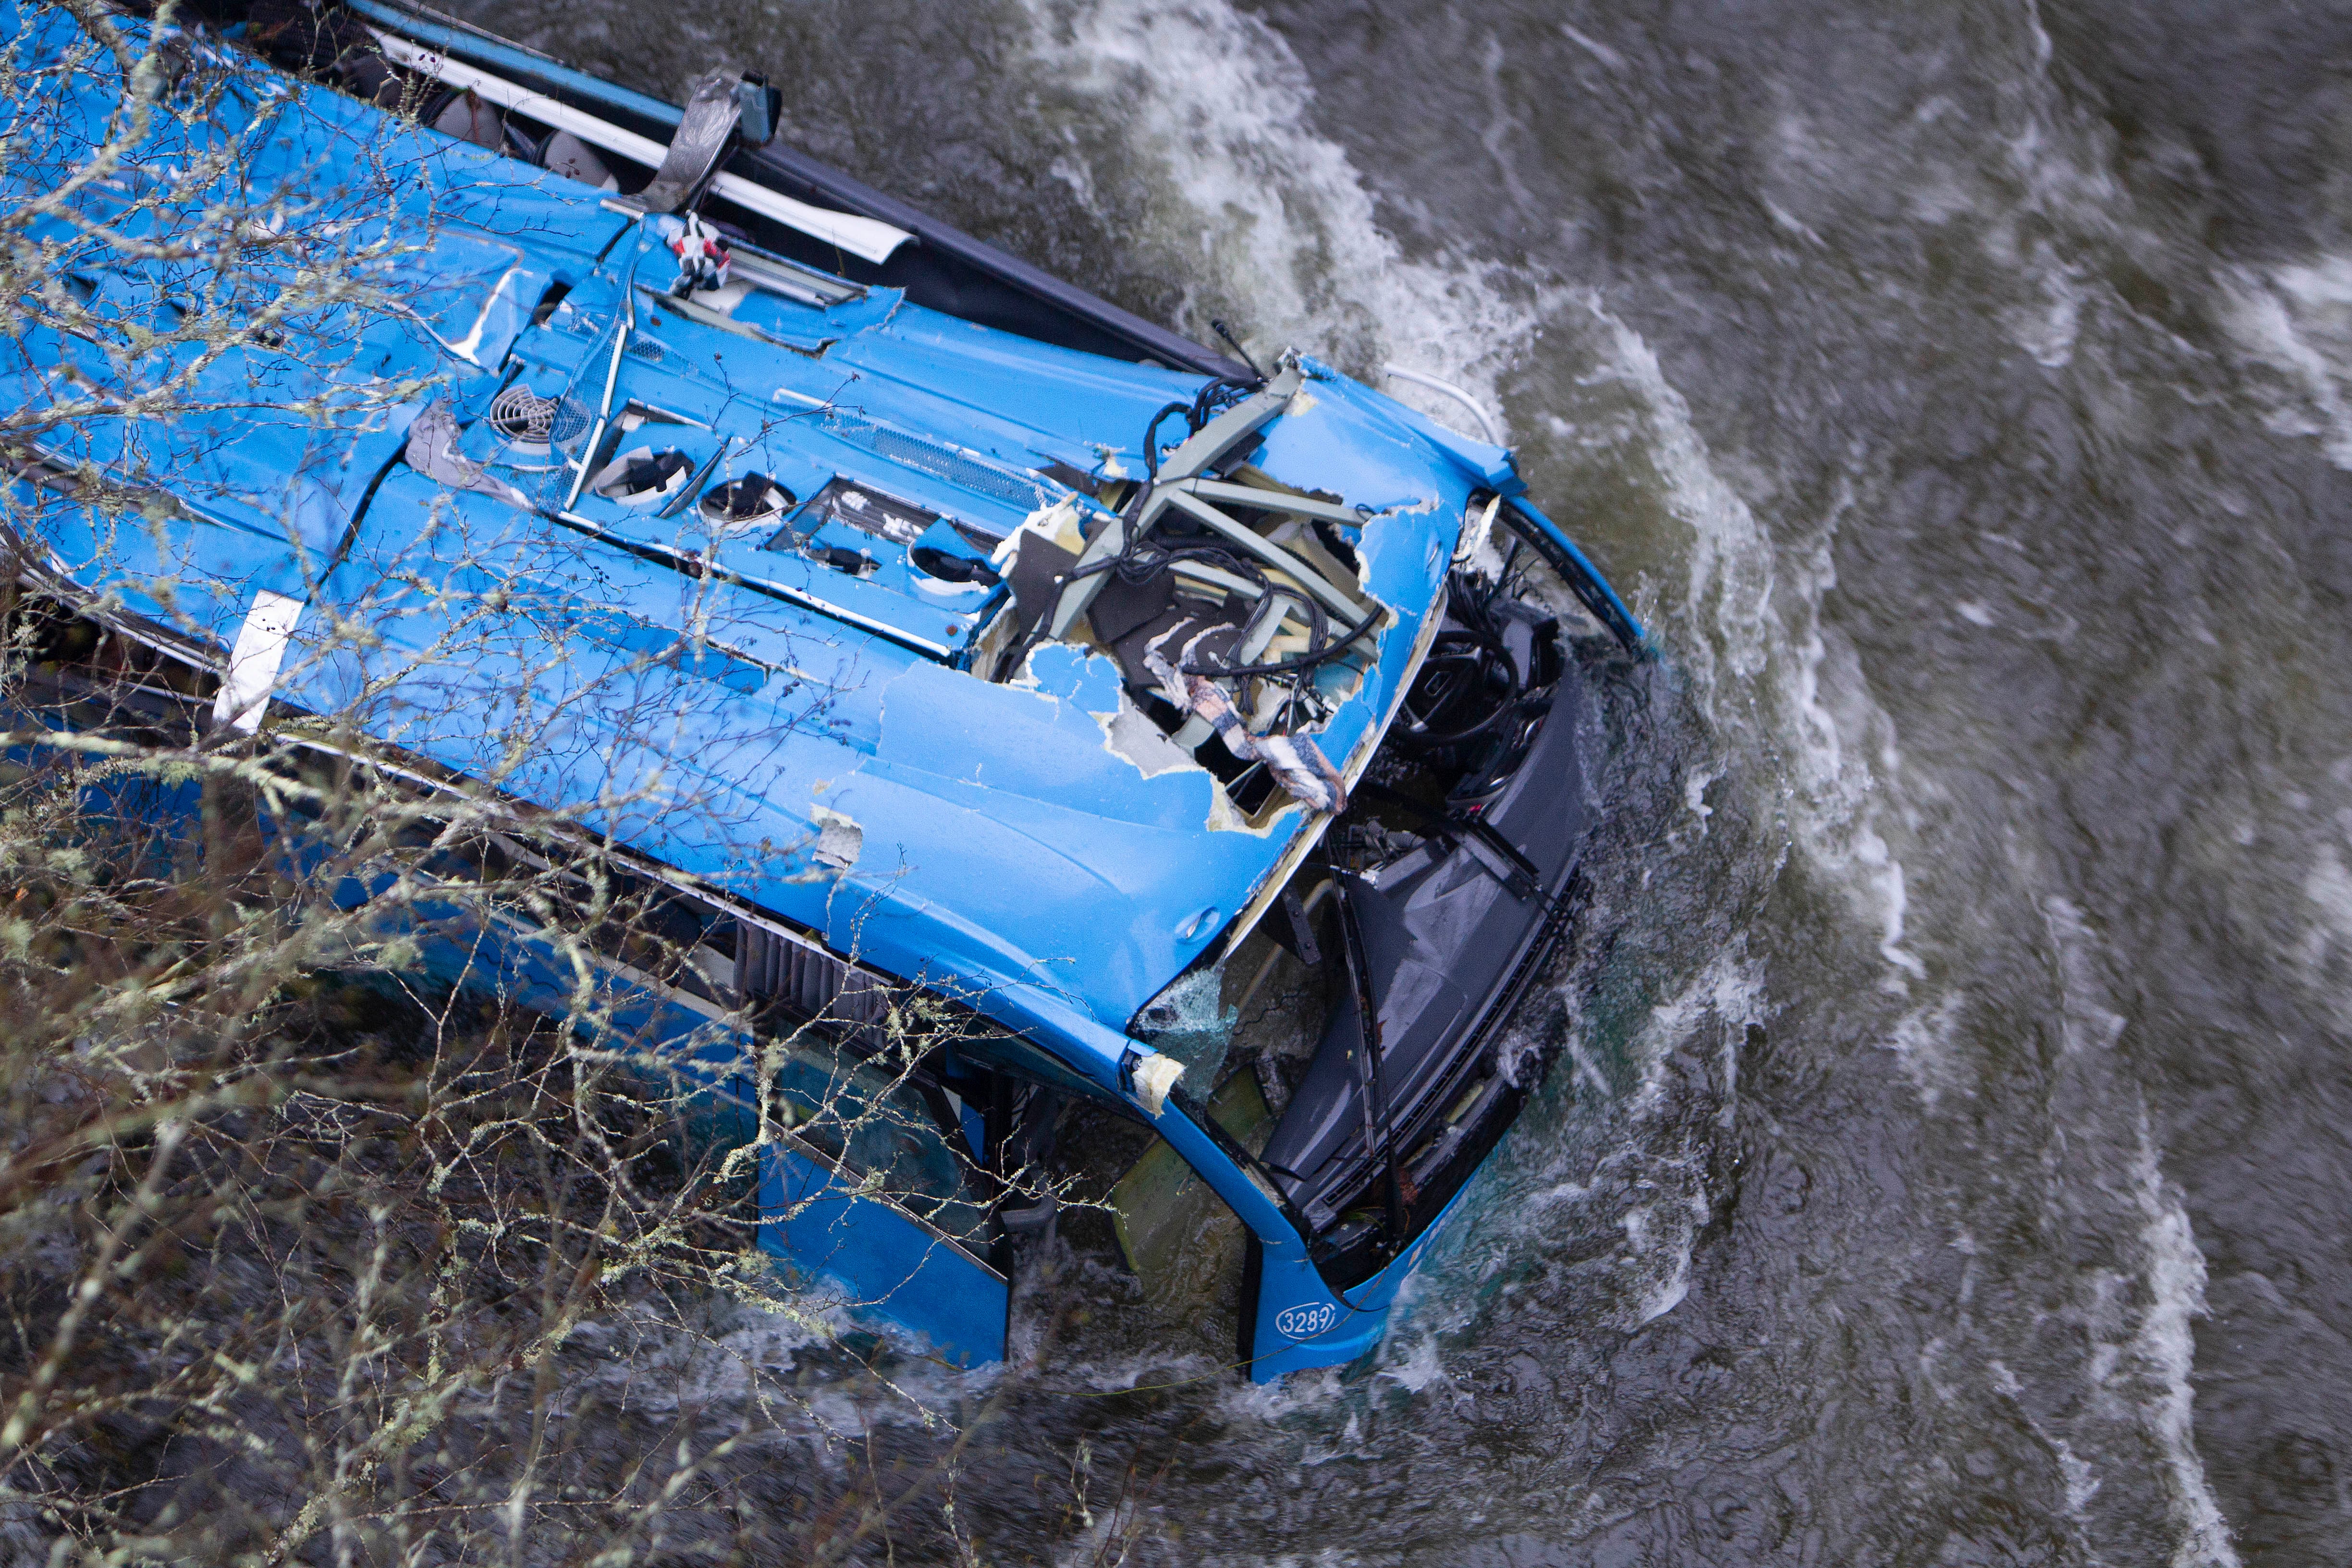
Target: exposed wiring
[
  {"x": 1300, "y": 665},
  {"x": 1151, "y": 441}
]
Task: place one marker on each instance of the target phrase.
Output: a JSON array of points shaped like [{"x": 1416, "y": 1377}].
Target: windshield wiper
[{"x": 1380, "y": 1130}]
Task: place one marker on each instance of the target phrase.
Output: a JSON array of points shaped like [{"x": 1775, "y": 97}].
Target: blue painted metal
[
  {"x": 1006, "y": 848},
  {"x": 885, "y": 1266},
  {"x": 497, "y": 52},
  {"x": 1302, "y": 1323}
]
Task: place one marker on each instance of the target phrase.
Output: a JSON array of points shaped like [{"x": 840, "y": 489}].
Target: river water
[{"x": 1947, "y": 1159}]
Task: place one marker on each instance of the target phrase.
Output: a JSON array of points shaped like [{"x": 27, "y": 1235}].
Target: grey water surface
[{"x": 1946, "y": 1161}]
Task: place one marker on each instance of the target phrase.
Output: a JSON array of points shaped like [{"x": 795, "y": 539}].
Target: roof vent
[
  {"x": 530, "y": 422},
  {"x": 746, "y": 503},
  {"x": 642, "y": 476}
]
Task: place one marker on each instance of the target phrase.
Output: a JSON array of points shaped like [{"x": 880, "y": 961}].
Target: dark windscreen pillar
[{"x": 949, "y": 270}]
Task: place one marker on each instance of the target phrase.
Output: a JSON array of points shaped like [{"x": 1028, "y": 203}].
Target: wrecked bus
[{"x": 1042, "y": 669}]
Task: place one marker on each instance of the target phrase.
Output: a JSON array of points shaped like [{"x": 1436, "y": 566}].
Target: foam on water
[
  {"x": 2061, "y": 200},
  {"x": 2080, "y": 1480},
  {"x": 1778, "y": 681},
  {"x": 1637, "y": 1165},
  {"x": 1415, "y": 1365},
  {"x": 734, "y": 1357},
  {"x": 2292, "y": 326},
  {"x": 2328, "y": 886},
  {"x": 1218, "y": 107},
  {"x": 1926, "y": 1039},
  {"x": 2165, "y": 1346},
  {"x": 2143, "y": 1345}
]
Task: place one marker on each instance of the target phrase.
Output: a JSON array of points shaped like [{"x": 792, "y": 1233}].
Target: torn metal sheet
[
  {"x": 713, "y": 111},
  {"x": 433, "y": 452}
]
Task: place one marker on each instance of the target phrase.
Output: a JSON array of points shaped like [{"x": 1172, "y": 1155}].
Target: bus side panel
[{"x": 889, "y": 1266}]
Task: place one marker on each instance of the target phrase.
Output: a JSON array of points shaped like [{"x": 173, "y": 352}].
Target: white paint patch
[
  {"x": 253, "y": 663},
  {"x": 839, "y": 839}
]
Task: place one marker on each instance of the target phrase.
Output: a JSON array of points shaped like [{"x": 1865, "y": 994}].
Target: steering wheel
[{"x": 1466, "y": 685}]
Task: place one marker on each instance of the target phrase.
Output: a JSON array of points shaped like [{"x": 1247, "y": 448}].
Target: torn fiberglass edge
[{"x": 1094, "y": 702}]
